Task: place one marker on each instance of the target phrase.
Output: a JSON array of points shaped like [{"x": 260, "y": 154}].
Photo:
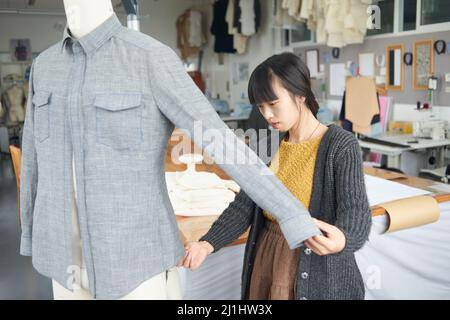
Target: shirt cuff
[
  {"x": 25, "y": 245},
  {"x": 298, "y": 229}
]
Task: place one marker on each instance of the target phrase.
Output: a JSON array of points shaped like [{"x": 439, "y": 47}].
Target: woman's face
[{"x": 282, "y": 114}]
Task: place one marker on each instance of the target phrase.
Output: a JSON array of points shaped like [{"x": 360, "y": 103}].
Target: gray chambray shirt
[{"x": 111, "y": 99}]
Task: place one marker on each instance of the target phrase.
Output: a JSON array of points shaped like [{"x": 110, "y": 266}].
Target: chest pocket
[
  {"x": 119, "y": 120},
  {"x": 41, "y": 102}
]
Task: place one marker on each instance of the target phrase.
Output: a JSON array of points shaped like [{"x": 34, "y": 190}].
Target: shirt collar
[{"x": 96, "y": 38}]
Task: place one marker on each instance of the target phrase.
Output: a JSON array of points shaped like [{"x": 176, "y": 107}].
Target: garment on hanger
[
  {"x": 183, "y": 44},
  {"x": 346, "y": 21},
  {"x": 224, "y": 42},
  {"x": 293, "y": 7},
  {"x": 237, "y": 16},
  {"x": 239, "y": 41},
  {"x": 307, "y": 10},
  {"x": 313, "y": 12},
  {"x": 335, "y": 22},
  {"x": 196, "y": 36},
  {"x": 229, "y": 17},
  {"x": 190, "y": 36},
  {"x": 247, "y": 19},
  {"x": 361, "y": 104},
  {"x": 117, "y": 132},
  {"x": 348, "y": 125},
  {"x": 250, "y": 16},
  {"x": 355, "y": 22},
  {"x": 282, "y": 18}
]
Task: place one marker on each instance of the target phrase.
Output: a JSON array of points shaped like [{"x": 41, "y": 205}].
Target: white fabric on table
[
  {"x": 199, "y": 193},
  {"x": 407, "y": 264}
]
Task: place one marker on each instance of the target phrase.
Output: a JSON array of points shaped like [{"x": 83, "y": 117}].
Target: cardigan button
[
  {"x": 303, "y": 298},
  {"x": 308, "y": 251},
  {"x": 305, "y": 275}
]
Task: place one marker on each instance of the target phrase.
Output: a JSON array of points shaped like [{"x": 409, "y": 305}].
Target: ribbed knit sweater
[
  {"x": 294, "y": 165},
  {"x": 338, "y": 197}
]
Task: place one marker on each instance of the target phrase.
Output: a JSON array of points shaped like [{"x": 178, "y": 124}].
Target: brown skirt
[{"x": 274, "y": 275}]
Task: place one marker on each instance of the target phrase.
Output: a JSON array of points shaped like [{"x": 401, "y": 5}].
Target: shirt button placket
[{"x": 77, "y": 126}]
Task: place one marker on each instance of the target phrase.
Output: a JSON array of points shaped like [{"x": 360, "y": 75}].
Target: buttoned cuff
[
  {"x": 25, "y": 245},
  {"x": 298, "y": 229}
]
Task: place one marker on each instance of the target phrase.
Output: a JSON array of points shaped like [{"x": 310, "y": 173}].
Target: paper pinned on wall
[
  {"x": 367, "y": 64},
  {"x": 312, "y": 61},
  {"x": 337, "y": 79}
]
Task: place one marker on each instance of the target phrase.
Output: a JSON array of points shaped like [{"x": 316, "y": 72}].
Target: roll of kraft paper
[{"x": 411, "y": 212}]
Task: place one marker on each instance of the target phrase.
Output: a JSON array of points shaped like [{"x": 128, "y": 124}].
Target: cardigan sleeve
[
  {"x": 354, "y": 217},
  {"x": 232, "y": 223}
]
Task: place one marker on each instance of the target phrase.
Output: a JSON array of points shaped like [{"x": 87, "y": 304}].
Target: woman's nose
[{"x": 267, "y": 114}]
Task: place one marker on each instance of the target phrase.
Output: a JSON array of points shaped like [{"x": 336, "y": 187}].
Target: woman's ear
[{"x": 300, "y": 101}]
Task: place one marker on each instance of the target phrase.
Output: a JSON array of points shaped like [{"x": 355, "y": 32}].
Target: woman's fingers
[
  {"x": 324, "y": 242},
  {"x": 187, "y": 260},
  {"x": 194, "y": 256},
  {"x": 315, "y": 247},
  {"x": 326, "y": 227},
  {"x": 198, "y": 258},
  {"x": 182, "y": 260}
]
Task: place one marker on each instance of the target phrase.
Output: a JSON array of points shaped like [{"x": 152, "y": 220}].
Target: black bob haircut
[{"x": 293, "y": 74}]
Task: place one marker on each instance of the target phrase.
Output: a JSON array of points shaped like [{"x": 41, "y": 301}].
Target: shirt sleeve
[
  {"x": 28, "y": 174},
  {"x": 180, "y": 100}
]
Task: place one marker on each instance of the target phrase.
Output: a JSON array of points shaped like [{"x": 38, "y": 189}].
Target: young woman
[{"x": 322, "y": 167}]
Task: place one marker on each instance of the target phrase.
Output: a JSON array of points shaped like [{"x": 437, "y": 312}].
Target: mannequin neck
[{"x": 83, "y": 16}]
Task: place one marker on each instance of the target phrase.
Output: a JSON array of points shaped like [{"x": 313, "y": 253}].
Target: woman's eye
[{"x": 272, "y": 103}]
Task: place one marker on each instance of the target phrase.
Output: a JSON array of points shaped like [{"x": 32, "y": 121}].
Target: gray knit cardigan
[{"x": 338, "y": 197}]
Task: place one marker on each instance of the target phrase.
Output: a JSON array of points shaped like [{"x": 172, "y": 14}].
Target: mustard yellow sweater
[{"x": 294, "y": 165}]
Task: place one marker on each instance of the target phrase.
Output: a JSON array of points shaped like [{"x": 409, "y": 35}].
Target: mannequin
[
  {"x": 83, "y": 16},
  {"x": 15, "y": 96}
]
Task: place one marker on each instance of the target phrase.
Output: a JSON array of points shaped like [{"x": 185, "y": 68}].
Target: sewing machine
[{"x": 430, "y": 129}]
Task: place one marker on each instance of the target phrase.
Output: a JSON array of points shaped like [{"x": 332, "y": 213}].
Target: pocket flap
[
  {"x": 116, "y": 102},
  {"x": 41, "y": 98}
]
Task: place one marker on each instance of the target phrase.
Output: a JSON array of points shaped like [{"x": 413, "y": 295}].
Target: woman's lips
[{"x": 275, "y": 125}]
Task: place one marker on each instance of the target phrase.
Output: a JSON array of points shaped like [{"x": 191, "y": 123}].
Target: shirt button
[
  {"x": 305, "y": 275},
  {"x": 308, "y": 251}
]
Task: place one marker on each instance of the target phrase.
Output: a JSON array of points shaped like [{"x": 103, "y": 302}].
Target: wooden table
[{"x": 192, "y": 228}]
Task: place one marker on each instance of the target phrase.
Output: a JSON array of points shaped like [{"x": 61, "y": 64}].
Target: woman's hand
[
  {"x": 333, "y": 240},
  {"x": 196, "y": 253}
]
